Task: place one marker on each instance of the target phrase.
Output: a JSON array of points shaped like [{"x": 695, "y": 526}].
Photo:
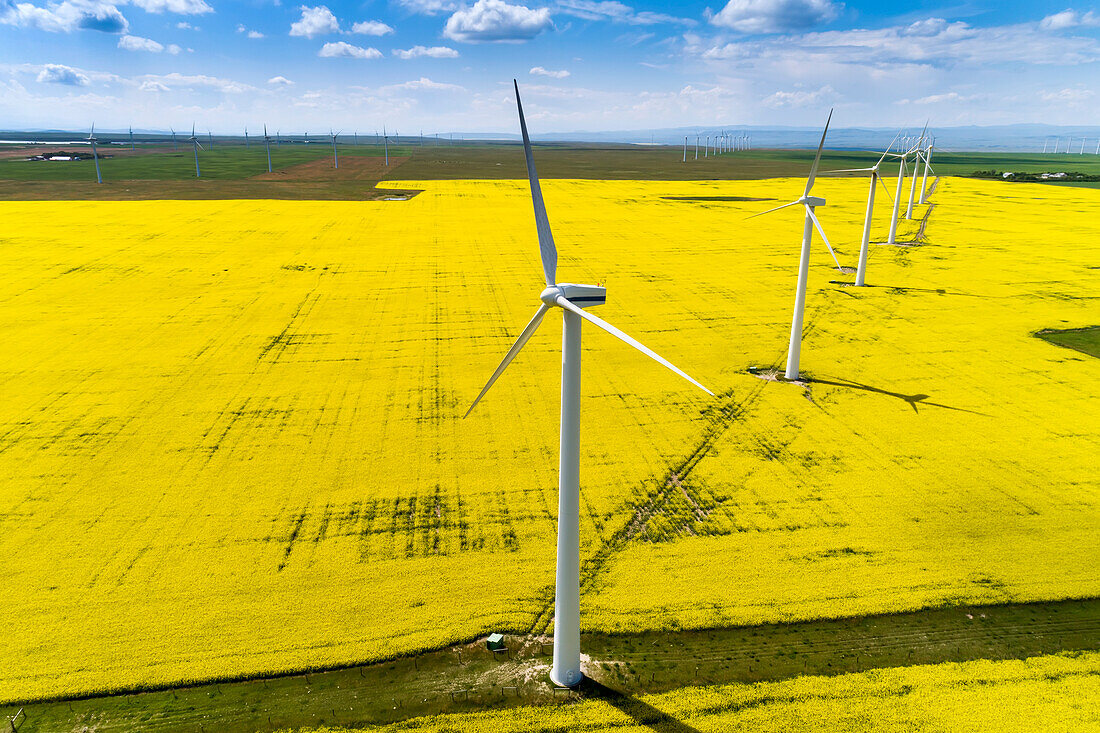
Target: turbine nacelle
[
  {"x": 582, "y": 296},
  {"x": 812, "y": 201}
]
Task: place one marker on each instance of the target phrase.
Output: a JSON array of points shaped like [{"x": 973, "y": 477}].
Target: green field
[
  {"x": 1086, "y": 340},
  {"x": 233, "y": 163}
]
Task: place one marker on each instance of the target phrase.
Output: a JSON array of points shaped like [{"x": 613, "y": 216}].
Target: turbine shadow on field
[
  {"x": 912, "y": 399},
  {"x": 643, "y": 714}
]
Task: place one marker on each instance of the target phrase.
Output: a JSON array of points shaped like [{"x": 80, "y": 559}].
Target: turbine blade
[
  {"x": 817, "y": 225},
  {"x": 564, "y": 303},
  {"x": 777, "y": 208},
  {"x": 817, "y": 158},
  {"x": 542, "y": 223},
  {"x": 888, "y": 148},
  {"x": 885, "y": 187},
  {"x": 523, "y": 338}
]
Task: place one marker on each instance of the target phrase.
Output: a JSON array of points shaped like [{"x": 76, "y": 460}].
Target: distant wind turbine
[
  {"x": 131, "y": 138},
  {"x": 809, "y": 203},
  {"x": 573, "y": 300},
  {"x": 197, "y": 147},
  {"x": 246, "y": 138},
  {"x": 267, "y": 144},
  {"x": 174, "y": 147},
  {"x": 335, "y": 156},
  {"x": 95, "y": 154}
]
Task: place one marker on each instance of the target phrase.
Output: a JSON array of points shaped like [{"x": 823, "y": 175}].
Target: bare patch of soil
[{"x": 352, "y": 168}]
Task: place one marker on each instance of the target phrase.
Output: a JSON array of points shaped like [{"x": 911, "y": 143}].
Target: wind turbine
[
  {"x": 195, "y": 144},
  {"x": 927, "y": 169},
  {"x": 685, "y": 149},
  {"x": 865, "y": 242},
  {"x": 897, "y": 196},
  {"x": 335, "y": 157},
  {"x": 572, "y": 299},
  {"x": 267, "y": 144},
  {"x": 355, "y": 136},
  {"x": 131, "y": 138},
  {"x": 809, "y": 203},
  {"x": 917, "y": 155},
  {"x": 246, "y": 138},
  {"x": 210, "y": 136},
  {"x": 386, "y": 143},
  {"x": 95, "y": 154},
  {"x": 697, "y": 147},
  {"x": 174, "y": 147},
  {"x": 1046, "y": 142},
  {"x": 278, "y": 138}
]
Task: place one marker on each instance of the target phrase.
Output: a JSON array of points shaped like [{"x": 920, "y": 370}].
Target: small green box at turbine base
[{"x": 495, "y": 643}]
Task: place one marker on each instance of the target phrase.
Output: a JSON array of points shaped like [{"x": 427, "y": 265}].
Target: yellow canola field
[
  {"x": 232, "y": 436},
  {"x": 1051, "y": 694}
]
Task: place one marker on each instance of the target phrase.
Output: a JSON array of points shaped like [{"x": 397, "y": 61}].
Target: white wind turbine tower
[
  {"x": 917, "y": 151},
  {"x": 267, "y": 144},
  {"x": 697, "y": 147},
  {"x": 131, "y": 138},
  {"x": 174, "y": 147},
  {"x": 210, "y": 137},
  {"x": 809, "y": 203},
  {"x": 927, "y": 169},
  {"x": 246, "y": 138},
  {"x": 386, "y": 144},
  {"x": 572, "y": 299},
  {"x": 861, "y": 269},
  {"x": 685, "y": 149},
  {"x": 902, "y": 156},
  {"x": 197, "y": 147},
  {"x": 95, "y": 154},
  {"x": 335, "y": 157}
]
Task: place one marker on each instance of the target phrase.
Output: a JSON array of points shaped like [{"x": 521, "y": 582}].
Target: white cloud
[
  {"x": 280, "y": 81},
  {"x": 241, "y": 28},
  {"x": 173, "y": 49},
  {"x": 423, "y": 83},
  {"x": 137, "y": 43},
  {"x": 1066, "y": 95},
  {"x": 152, "y": 86},
  {"x": 799, "y": 98},
  {"x": 371, "y": 28},
  {"x": 1069, "y": 18},
  {"x": 149, "y": 82},
  {"x": 179, "y": 7},
  {"x": 255, "y": 34},
  {"x": 616, "y": 12},
  {"x": 435, "y": 52},
  {"x": 316, "y": 21},
  {"x": 539, "y": 71},
  {"x": 341, "y": 49},
  {"x": 497, "y": 21},
  {"x": 67, "y": 16},
  {"x": 60, "y": 74},
  {"x": 933, "y": 42},
  {"x": 183, "y": 25},
  {"x": 430, "y": 7},
  {"x": 774, "y": 16}
]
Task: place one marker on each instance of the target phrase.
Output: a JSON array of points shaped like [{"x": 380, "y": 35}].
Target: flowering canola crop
[{"x": 232, "y": 435}]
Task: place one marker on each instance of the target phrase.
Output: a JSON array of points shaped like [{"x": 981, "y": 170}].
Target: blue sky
[{"x": 442, "y": 65}]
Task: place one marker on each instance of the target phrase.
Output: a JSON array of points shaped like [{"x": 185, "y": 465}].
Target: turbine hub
[
  {"x": 812, "y": 201},
  {"x": 583, "y": 296}
]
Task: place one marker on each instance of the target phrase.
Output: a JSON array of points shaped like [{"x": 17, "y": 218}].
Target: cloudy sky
[{"x": 443, "y": 65}]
